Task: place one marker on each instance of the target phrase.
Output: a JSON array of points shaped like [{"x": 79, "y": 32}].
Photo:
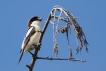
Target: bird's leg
[{"x": 31, "y": 53}]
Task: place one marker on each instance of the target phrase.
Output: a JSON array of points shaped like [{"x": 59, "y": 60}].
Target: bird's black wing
[{"x": 30, "y": 32}]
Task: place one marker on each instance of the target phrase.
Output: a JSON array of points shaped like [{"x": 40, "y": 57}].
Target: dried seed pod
[
  {"x": 64, "y": 29},
  {"x": 77, "y": 50},
  {"x": 70, "y": 52},
  {"x": 86, "y": 49},
  {"x": 56, "y": 49}
]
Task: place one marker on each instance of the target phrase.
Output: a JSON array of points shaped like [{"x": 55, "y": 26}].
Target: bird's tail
[{"x": 20, "y": 58}]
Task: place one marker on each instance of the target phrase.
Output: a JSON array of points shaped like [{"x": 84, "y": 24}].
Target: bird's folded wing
[{"x": 30, "y": 32}]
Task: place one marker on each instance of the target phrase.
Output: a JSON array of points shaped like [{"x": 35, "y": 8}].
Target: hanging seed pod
[
  {"x": 77, "y": 50},
  {"x": 55, "y": 49},
  {"x": 64, "y": 29},
  {"x": 70, "y": 52}
]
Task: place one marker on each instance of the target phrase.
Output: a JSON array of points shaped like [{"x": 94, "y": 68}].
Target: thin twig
[
  {"x": 47, "y": 58},
  {"x": 60, "y": 18},
  {"x": 72, "y": 59}
]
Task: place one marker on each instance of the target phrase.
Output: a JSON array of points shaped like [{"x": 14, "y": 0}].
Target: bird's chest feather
[{"x": 35, "y": 38}]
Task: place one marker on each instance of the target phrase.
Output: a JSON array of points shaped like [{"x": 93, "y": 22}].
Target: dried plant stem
[{"x": 71, "y": 59}]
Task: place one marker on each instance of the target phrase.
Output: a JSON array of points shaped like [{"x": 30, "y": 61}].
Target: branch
[
  {"x": 72, "y": 59},
  {"x": 60, "y": 18},
  {"x": 47, "y": 58},
  {"x": 71, "y": 21}
]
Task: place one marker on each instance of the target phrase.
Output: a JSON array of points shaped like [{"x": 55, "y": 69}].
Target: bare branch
[
  {"x": 47, "y": 58},
  {"x": 72, "y": 59},
  {"x": 60, "y": 18},
  {"x": 71, "y": 21}
]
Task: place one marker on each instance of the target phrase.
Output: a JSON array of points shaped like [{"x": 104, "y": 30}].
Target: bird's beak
[{"x": 40, "y": 19}]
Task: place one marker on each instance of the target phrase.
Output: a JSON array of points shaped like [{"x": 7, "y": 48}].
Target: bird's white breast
[{"x": 34, "y": 40}]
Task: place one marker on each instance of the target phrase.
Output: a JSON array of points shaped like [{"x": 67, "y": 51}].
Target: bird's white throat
[{"x": 34, "y": 23}]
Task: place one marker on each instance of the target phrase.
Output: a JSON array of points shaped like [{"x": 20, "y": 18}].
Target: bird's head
[{"x": 34, "y": 21}]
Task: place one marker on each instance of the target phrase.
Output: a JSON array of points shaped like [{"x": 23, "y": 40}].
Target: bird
[{"x": 31, "y": 39}]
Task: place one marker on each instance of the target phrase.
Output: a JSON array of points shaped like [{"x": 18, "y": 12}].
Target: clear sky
[{"x": 13, "y": 26}]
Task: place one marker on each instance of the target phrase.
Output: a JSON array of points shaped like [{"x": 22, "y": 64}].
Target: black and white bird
[{"x": 31, "y": 40}]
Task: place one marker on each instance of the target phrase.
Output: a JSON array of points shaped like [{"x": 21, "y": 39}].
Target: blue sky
[{"x": 13, "y": 26}]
